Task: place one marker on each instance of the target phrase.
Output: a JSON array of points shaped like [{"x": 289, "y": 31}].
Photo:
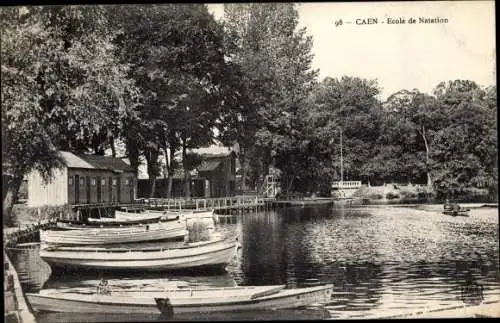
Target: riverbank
[
  {"x": 16, "y": 309},
  {"x": 484, "y": 310},
  {"x": 415, "y": 192},
  {"x": 395, "y": 192}
]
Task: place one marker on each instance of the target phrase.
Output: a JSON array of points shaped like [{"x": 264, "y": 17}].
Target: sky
[{"x": 401, "y": 56}]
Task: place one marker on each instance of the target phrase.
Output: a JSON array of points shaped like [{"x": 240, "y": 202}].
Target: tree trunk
[
  {"x": 187, "y": 178},
  {"x": 169, "y": 188},
  {"x": 244, "y": 166},
  {"x": 289, "y": 186},
  {"x": 166, "y": 173},
  {"x": 152, "y": 163},
  {"x": 152, "y": 183},
  {"x": 133, "y": 156},
  {"x": 427, "y": 160},
  {"x": 11, "y": 197},
  {"x": 113, "y": 147}
]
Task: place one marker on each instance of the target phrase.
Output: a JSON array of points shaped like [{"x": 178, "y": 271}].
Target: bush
[
  {"x": 40, "y": 213},
  {"x": 199, "y": 230}
]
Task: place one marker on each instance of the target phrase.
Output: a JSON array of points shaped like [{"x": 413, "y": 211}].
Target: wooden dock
[{"x": 303, "y": 202}]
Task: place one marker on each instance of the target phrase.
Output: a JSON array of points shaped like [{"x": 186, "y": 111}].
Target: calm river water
[{"x": 382, "y": 260}]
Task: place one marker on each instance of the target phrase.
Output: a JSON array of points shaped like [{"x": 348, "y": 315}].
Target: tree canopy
[{"x": 171, "y": 77}]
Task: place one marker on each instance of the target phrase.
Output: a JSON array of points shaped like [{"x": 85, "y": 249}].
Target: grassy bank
[
  {"x": 423, "y": 193},
  {"x": 395, "y": 192}
]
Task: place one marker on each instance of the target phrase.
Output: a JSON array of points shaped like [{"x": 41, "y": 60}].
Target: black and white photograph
[{"x": 249, "y": 161}]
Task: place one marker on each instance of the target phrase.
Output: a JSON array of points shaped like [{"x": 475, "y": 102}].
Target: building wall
[
  {"x": 53, "y": 193},
  {"x": 95, "y": 186},
  {"x": 222, "y": 179}
]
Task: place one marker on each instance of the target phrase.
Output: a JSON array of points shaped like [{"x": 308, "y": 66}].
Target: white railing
[
  {"x": 347, "y": 184},
  {"x": 205, "y": 203}
]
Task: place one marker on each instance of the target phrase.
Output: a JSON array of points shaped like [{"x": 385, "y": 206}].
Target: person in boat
[
  {"x": 103, "y": 287},
  {"x": 447, "y": 205}
]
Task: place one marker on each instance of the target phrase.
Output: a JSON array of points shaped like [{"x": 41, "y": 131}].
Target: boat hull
[
  {"x": 102, "y": 236},
  {"x": 278, "y": 299},
  {"x": 457, "y": 213},
  {"x": 212, "y": 256}
]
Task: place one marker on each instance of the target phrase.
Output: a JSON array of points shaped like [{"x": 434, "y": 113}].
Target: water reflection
[{"x": 382, "y": 260}]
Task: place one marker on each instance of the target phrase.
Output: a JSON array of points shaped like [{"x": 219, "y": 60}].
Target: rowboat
[
  {"x": 164, "y": 214},
  {"x": 109, "y": 224},
  {"x": 460, "y": 212},
  {"x": 216, "y": 253},
  {"x": 286, "y": 298},
  {"x": 102, "y": 222},
  {"x": 185, "y": 213},
  {"x": 99, "y": 236},
  {"x": 182, "y": 300},
  {"x": 127, "y": 216}
]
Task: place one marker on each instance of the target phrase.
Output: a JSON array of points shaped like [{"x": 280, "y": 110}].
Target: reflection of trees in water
[
  {"x": 357, "y": 282},
  {"x": 263, "y": 249},
  {"x": 482, "y": 268},
  {"x": 32, "y": 271},
  {"x": 304, "y": 214},
  {"x": 216, "y": 277}
]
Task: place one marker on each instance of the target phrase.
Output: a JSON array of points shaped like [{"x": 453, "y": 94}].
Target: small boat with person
[
  {"x": 454, "y": 209},
  {"x": 185, "y": 300},
  {"x": 215, "y": 253}
]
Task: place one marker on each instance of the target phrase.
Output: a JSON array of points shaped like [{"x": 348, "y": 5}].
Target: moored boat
[
  {"x": 109, "y": 224},
  {"x": 182, "y": 300},
  {"x": 214, "y": 253},
  {"x": 122, "y": 221},
  {"x": 454, "y": 209},
  {"x": 100, "y": 236},
  {"x": 186, "y": 213},
  {"x": 460, "y": 212}
]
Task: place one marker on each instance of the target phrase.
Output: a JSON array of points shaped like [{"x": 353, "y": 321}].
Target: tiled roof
[
  {"x": 95, "y": 162},
  {"x": 73, "y": 161}
]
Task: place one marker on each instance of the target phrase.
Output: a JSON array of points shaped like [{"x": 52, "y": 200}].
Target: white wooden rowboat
[
  {"x": 164, "y": 214},
  {"x": 99, "y": 236},
  {"x": 185, "y": 213},
  {"x": 215, "y": 253},
  {"x": 182, "y": 301}
]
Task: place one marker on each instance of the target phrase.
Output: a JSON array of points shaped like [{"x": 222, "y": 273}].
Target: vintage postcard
[{"x": 249, "y": 161}]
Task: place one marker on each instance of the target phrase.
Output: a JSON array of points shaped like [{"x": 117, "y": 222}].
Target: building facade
[
  {"x": 214, "y": 176},
  {"x": 84, "y": 179}
]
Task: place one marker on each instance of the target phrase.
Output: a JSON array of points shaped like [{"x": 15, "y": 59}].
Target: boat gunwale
[
  {"x": 127, "y": 250},
  {"x": 277, "y": 295}
]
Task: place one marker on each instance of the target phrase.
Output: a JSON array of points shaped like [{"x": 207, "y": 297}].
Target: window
[
  {"x": 94, "y": 181},
  {"x": 114, "y": 181},
  {"x": 103, "y": 182},
  {"x": 70, "y": 181},
  {"x": 82, "y": 181}
]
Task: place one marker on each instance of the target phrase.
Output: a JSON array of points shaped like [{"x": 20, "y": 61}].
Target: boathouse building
[
  {"x": 213, "y": 176},
  {"x": 84, "y": 179}
]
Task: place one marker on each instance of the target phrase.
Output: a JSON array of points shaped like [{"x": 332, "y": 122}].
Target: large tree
[
  {"x": 275, "y": 59},
  {"x": 466, "y": 145},
  {"x": 62, "y": 87},
  {"x": 349, "y": 107},
  {"x": 410, "y": 123},
  {"x": 177, "y": 58}
]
